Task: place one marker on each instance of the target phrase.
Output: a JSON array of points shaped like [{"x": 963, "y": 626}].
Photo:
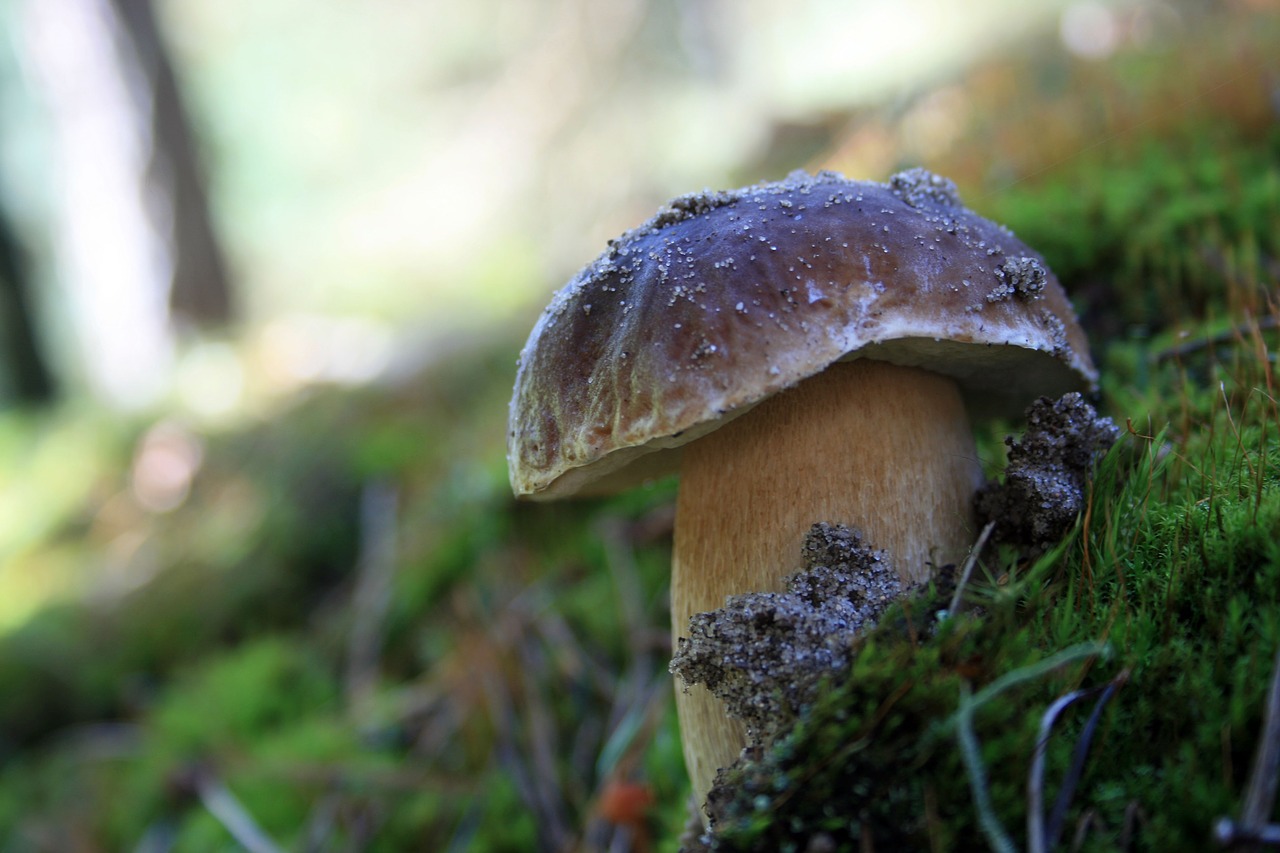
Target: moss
[{"x": 1175, "y": 231}]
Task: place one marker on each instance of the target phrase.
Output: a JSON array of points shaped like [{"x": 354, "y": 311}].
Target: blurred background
[
  {"x": 214, "y": 203},
  {"x": 264, "y": 269}
]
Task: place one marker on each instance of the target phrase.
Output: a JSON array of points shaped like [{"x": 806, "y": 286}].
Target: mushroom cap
[{"x": 723, "y": 299}]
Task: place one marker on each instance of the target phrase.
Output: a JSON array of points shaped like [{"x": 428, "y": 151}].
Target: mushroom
[{"x": 803, "y": 350}]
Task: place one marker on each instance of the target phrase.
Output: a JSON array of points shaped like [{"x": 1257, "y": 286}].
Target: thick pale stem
[{"x": 878, "y": 447}]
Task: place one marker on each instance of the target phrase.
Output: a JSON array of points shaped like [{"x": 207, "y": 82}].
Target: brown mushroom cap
[{"x": 725, "y": 298}]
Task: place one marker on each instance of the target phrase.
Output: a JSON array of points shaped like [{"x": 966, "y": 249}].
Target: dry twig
[
  {"x": 1260, "y": 796},
  {"x": 969, "y": 562}
]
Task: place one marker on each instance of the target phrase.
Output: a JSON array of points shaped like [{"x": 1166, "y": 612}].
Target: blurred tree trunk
[
  {"x": 134, "y": 242},
  {"x": 24, "y": 368},
  {"x": 200, "y": 292}
]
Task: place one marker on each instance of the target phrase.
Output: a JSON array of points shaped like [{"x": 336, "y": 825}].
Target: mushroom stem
[{"x": 875, "y": 446}]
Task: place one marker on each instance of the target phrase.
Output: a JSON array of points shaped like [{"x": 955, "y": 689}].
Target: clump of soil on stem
[
  {"x": 1044, "y": 484},
  {"x": 764, "y": 654}
]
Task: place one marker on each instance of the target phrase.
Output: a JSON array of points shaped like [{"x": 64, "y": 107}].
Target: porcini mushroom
[{"x": 801, "y": 351}]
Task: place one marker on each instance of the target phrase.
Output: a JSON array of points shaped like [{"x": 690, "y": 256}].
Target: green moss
[
  {"x": 1159, "y": 234},
  {"x": 1193, "y": 623},
  {"x": 261, "y": 687}
]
